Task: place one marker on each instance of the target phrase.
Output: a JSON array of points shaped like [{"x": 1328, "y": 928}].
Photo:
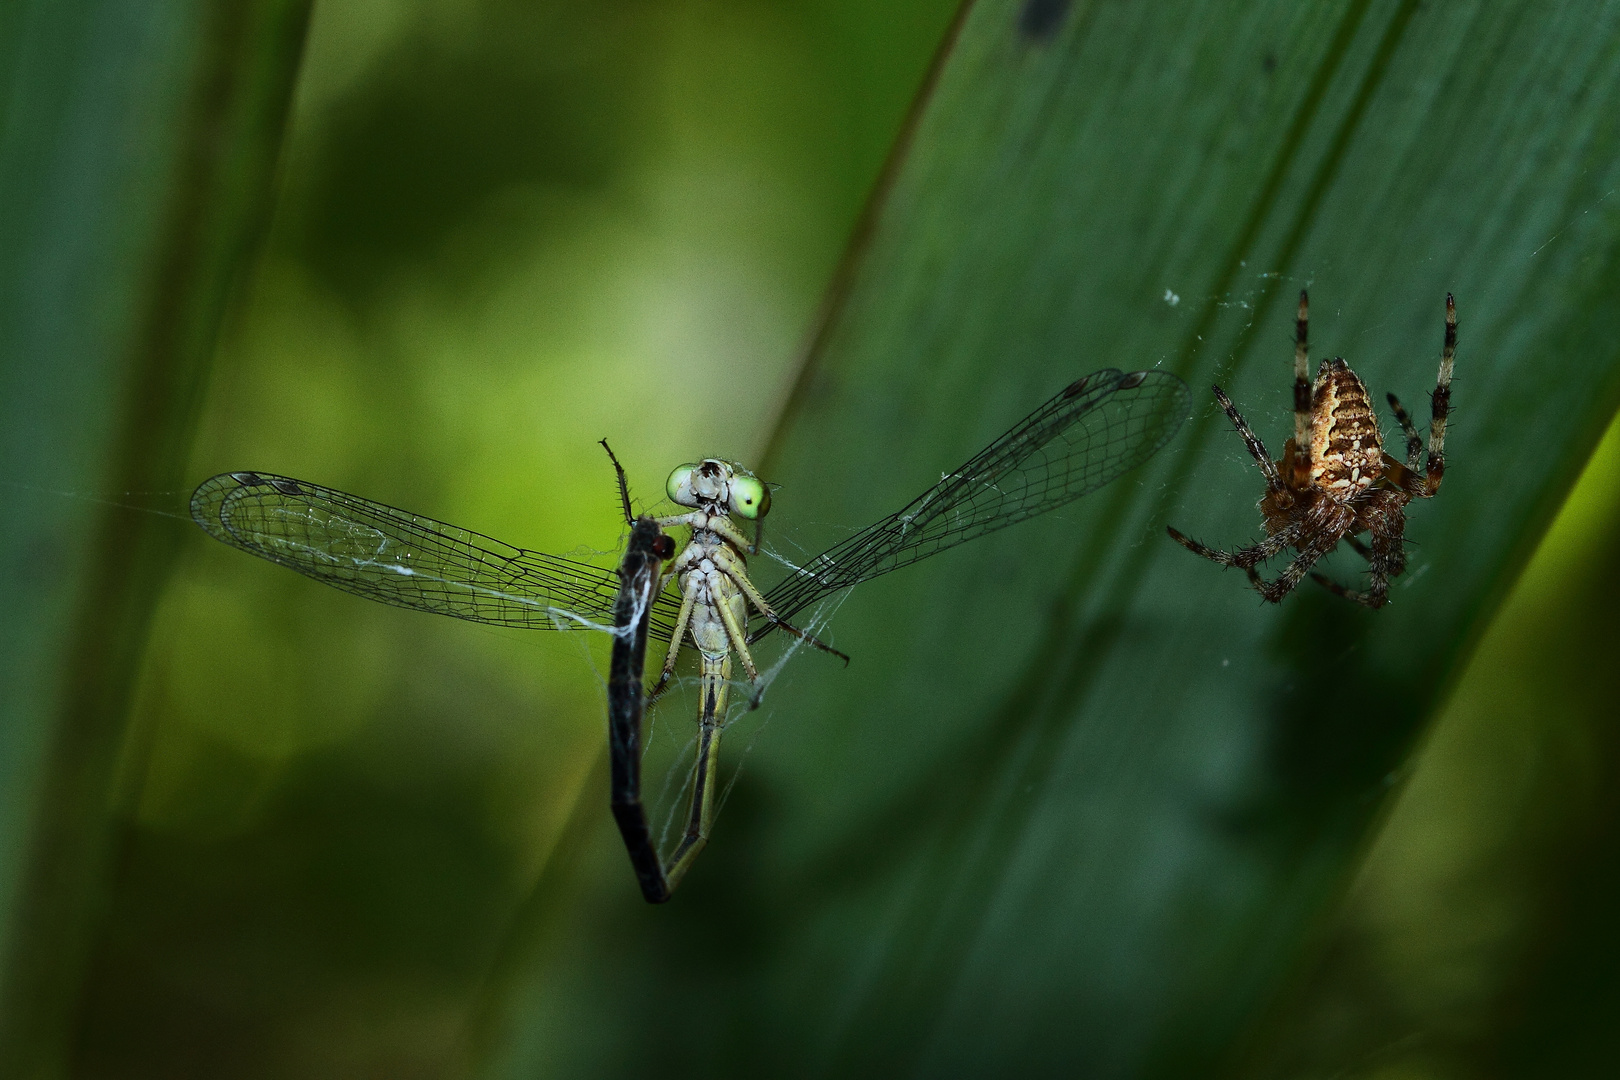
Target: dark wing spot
[
  {"x": 1076, "y": 387},
  {"x": 1041, "y": 19},
  {"x": 247, "y": 479},
  {"x": 1133, "y": 380},
  {"x": 287, "y": 487}
]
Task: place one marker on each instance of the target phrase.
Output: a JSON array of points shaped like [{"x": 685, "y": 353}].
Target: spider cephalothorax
[{"x": 1335, "y": 480}]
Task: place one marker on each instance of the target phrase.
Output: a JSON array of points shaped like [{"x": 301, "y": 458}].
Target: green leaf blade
[{"x": 1080, "y": 794}]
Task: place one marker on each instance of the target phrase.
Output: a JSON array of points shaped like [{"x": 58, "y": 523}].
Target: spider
[{"x": 1334, "y": 479}]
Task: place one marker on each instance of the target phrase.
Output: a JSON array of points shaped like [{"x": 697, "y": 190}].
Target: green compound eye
[
  {"x": 749, "y": 498},
  {"x": 679, "y": 486}
]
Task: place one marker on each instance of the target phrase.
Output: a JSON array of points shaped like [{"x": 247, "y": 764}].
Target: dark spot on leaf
[
  {"x": 1041, "y": 19},
  {"x": 1268, "y": 63}
]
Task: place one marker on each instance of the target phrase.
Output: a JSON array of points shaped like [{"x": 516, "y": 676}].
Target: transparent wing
[
  {"x": 1089, "y": 434},
  {"x": 404, "y": 559}
]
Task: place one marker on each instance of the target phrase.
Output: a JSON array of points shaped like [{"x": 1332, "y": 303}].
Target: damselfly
[{"x": 1093, "y": 431}]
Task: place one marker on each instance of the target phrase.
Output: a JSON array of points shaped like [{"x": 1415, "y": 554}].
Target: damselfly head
[{"x": 719, "y": 485}]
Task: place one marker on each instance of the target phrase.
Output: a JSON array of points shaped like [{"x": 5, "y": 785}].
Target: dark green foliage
[{"x": 136, "y": 156}]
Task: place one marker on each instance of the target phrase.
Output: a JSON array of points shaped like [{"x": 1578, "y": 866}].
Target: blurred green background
[{"x": 344, "y": 840}]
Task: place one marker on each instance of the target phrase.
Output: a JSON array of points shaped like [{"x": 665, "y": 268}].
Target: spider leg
[
  {"x": 1225, "y": 558},
  {"x": 1333, "y": 586},
  {"x": 1374, "y": 597},
  {"x": 1414, "y": 441},
  {"x": 1247, "y": 558},
  {"x": 1336, "y": 589},
  {"x": 1440, "y": 405},
  {"x": 1257, "y": 449},
  {"x": 1321, "y": 535},
  {"x": 1386, "y": 521},
  {"x": 1398, "y": 476},
  {"x": 1302, "y": 394}
]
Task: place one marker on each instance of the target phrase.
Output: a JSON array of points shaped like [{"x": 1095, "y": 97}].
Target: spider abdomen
[{"x": 1346, "y": 446}]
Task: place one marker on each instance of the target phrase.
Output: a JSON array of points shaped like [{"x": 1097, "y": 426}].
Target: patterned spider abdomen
[{"x": 1346, "y": 447}]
